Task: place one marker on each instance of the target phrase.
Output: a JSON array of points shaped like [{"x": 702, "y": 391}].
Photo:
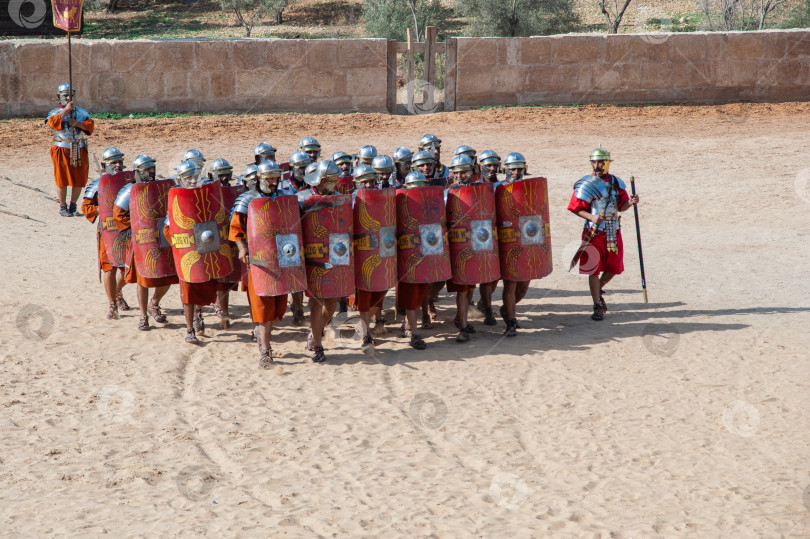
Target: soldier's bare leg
[
  {"x": 143, "y": 299},
  {"x": 321, "y": 310},
  {"x": 188, "y": 313},
  {"x": 264, "y": 331},
  {"x": 520, "y": 291},
  {"x": 509, "y": 303},
  {"x": 119, "y": 289},
  {"x": 223, "y": 297},
  {"x": 297, "y": 304},
  {"x": 462, "y": 307},
  {"x": 61, "y": 194},
  {"x": 74, "y": 194},
  {"x": 108, "y": 278},
  {"x": 410, "y": 330}
]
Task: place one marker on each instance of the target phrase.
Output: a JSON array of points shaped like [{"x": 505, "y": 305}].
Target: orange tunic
[
  {"x": 194, "y": 293},
  {"x": 411, "y": 295},
  {"x": 122, "y": 221},
  {"x": 63, "y": 174},
  {"x": 90, "y": 211},
  {"x": 262, "y": 308},
  {"x": 366, "y": 300}
]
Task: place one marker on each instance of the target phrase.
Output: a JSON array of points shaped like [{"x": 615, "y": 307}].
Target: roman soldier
[
  {"x": 71, "y": 125},
  {"x": 410, "y": 295},
  {"x": 344, "y": 163},
  {"x": 384, "y": 168},
  {"x": 144, "y": 169},
  {"x": 365, "y": 155},
  {"x": 263, "y": 152},
  {"x": 490, "y": 165},
  {"x": 322, "y": 181},
  {"x": 402, "y": 162},
  {"x": 221, "y": 171},
  {"x": 311, "y": 147},
  {"x": 113, "y": 162},
  {"x": 200, "y": 256},
  {"x": 598, "y": 198},
  {"x": 424, "y": 162},
  {"x": 265, "y": 310},
  {"x": 440, "y": 173}
]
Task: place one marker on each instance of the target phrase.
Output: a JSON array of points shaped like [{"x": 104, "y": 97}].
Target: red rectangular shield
[
  {"x": 375, "y": 239},
  {"x": 472, "y": 233},
  {"x": 423, "y": 254},
  {"x": 229, "y": 194},
  {"x": 345, "y": 185},
  {"x": 148, "y": 203},
  {"x": 276, "y": 246},
  {"x": 524, "y": 238},
  {"x": 198, "y": 226},
  {"x": 327, "y": 230},
  {"x": 116, "y": 243}
]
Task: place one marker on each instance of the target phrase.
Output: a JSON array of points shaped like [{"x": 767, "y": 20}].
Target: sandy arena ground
[{"x": 686, "y": 416}]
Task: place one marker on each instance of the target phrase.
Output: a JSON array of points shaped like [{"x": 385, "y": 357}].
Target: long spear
[{"x": 638, "y": 237}]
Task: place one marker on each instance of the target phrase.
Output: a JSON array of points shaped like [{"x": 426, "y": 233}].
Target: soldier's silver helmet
[
  {"x": 109, "y": 156},
  {"x": 465, "y": 150},
  {"x": 339, "y": 158},
  {"x": 429, "y": 142},
  {"x": 415, "y": 179},
  {"x": 64, "y": 91},
  {"x": 141, "y": 166},
  {"x": 489, "y": 157},
  {"x": 461, "y": 162},
  {"x": 268, "y": 169},
  {"x": 250, "y": 176},
  {"x": 311, "y": 167},
  {"x": 326, "y": 169},
  {"x": 363, "y": 173},
  {"x": 220, "y": 166},
  {"x": 196, "y": 156},
  {"x": 382, "y": 164},
  {"x": 300, "y": 159},
  {"x": 403, "y": 155},
  {"x": 186, "y": 171},
  {"x": 309, "y": 144},
  {"x": 366, "y": 154},
  {"x": 422, "y": 157},
  {"x": 264, "y": 150},
  {"x": 514, "y": 160}
]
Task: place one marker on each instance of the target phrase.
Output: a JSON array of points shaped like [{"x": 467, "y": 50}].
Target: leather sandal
[
  {"x": 318, "y": 356},
  {"x": 157, "y": 314},
  {"x": 112, "y": 313},
  {"x": 144, "y": 323}
]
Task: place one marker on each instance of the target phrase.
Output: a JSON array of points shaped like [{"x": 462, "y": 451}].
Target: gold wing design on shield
[
  {"x": 368, "y": 222},
  {"x": 187, "y": 262},
  {"x": 179, "y": 219}
]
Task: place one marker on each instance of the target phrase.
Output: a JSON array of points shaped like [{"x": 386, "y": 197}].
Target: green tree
[
  {"x": 513, "y": 18},
  {"x": 389, "y": 19},
  {"x": 249, "y": 12}
]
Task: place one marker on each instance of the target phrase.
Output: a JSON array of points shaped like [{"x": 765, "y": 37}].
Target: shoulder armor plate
[
  {"x": 240, "y": 205},
  {"x": 619, "y": 182},
  {"x": 589, "y": 188},
  {"x": 122, "y": 199},
  {"x": 92, "y": 189}
]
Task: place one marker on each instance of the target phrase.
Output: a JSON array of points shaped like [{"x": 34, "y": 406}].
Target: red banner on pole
[{"x": 67, "y": 15}]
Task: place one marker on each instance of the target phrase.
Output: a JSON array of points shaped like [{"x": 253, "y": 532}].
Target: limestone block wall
[
  {"x": 327, "y": 75},
  {"x": 638, "y": 68}
]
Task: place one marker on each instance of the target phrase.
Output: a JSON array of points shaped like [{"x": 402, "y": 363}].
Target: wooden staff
[{"x": 638, "y": 237}]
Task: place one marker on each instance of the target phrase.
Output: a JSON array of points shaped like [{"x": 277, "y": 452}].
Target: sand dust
[{"x": 684, "y": 416}]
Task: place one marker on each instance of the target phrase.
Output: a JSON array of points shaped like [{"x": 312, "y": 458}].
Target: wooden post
[
  {"x": 391, "y": 82},
  {"x": 430, "y": 68},
  {"x": 451, "y": 46},
  {"x": 410, "y": 81}
]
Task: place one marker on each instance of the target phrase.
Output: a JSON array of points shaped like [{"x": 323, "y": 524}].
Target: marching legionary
[
  {"x": 221, "y": 171},
  {"x": 263, "y": 151},
  {"x": 440, "y": 174},
  {"x": 375, "y": 249},
  {"x": 327, "y": 230},
  {"x": 490, "y": 165},
  {"x": 344, "y": 163},
  {"x": 113, "y": 162},
  {"x": 197, "y": 230},
  {"x": 524, "y": 238},
  {"x": 299, "y": 161},
  {"x": 365, "y": 155},
  {"x": 424, "y": 162},
  {"x": 598, "y": 198},
  {"x": 402, "y": 162},
  {"x": 311, "y": 147},
  {"x": 71, "y": 126},
  {"x": 140, "y": 209},
  {"x": 265, "y": 310},
  {"x": 383, "y": 167},
  {"x": 469, "y": 152},
  {"x": 422, "y": 256},
  {"x": 472, "y": 232}
]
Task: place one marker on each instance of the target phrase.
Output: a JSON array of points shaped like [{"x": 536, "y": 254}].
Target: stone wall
[
  {"x": 638, "y": 68},
  {"x": 326, "y": 75},
  {"x": 343, "y": 75}
]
